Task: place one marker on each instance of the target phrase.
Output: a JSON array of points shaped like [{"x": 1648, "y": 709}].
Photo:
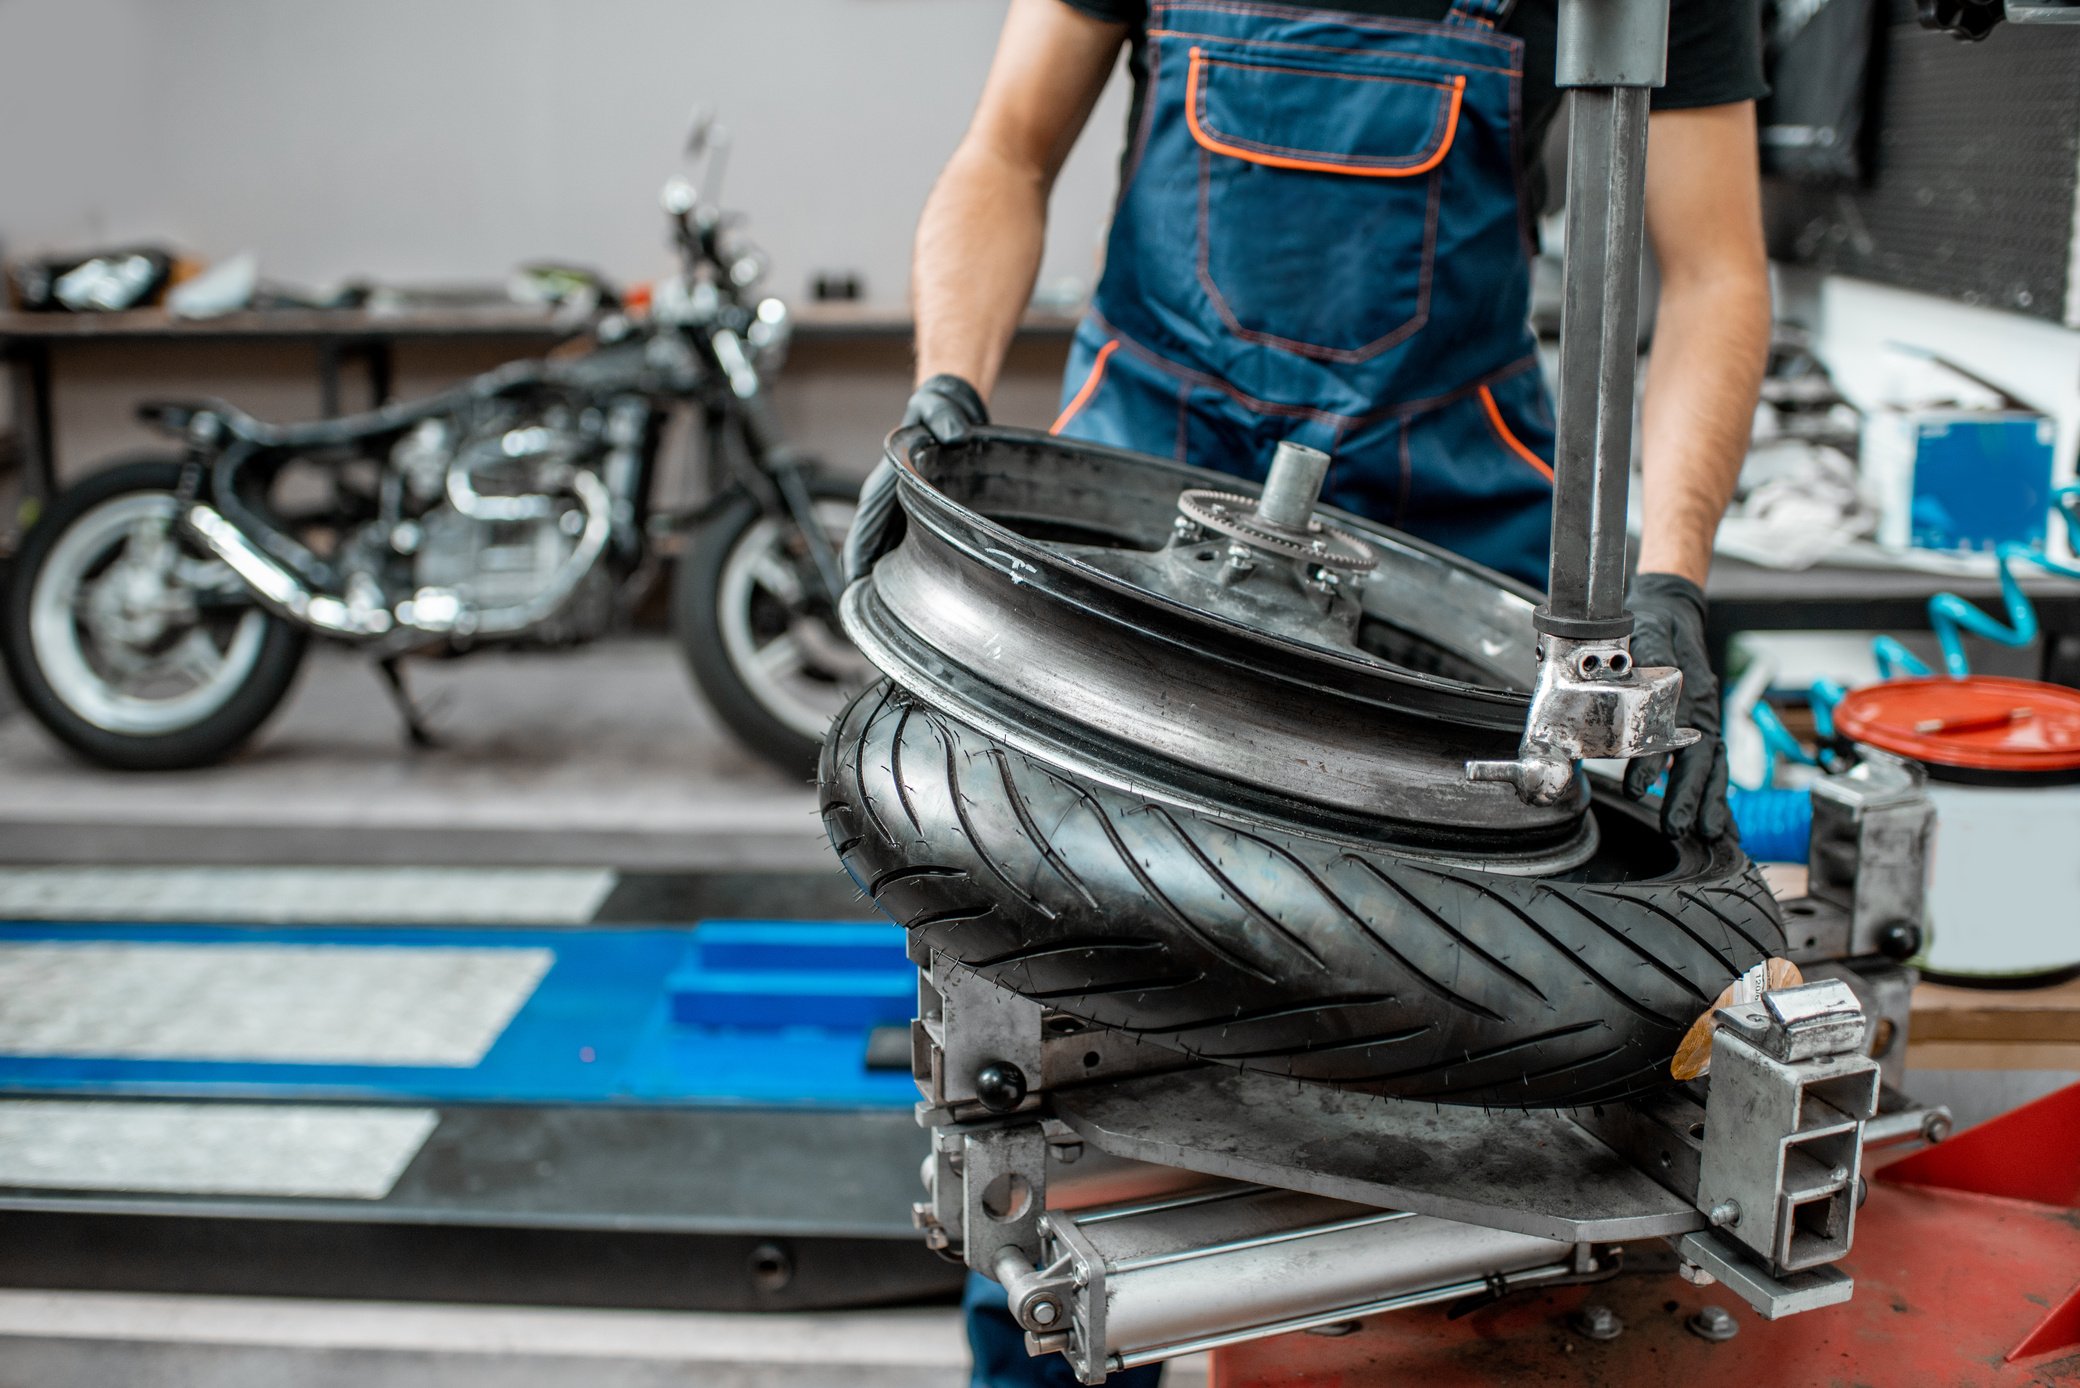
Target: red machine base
[{"x": 1964, "y": 1276}]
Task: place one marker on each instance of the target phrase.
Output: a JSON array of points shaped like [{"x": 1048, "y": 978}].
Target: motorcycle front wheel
[
  {"x": 129, "y": 642},
  {"x": 763, "y": 645}
]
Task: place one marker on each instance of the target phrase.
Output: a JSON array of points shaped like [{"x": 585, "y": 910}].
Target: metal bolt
[
  {"x": 1044, "y": 1312},
  {"x": 1714, "y": 1323},
  {"x": 1001, "y": 1086},
  {"x": 1241, "y": 563},
  {"x": 1726, "y": 1214},
  {"x": 772, "y": 1267},
  {"x": 1598, "y": 1322},
  {"x": 1694, "y": 1275},
  {"x": 1900, "y": 940},
  {"x": 1935, "y": 1127},
  {"x": 1067, "y": 1153}
]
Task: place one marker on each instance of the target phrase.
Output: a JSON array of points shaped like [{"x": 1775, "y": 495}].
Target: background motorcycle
[{"x": 160, "y": 609}]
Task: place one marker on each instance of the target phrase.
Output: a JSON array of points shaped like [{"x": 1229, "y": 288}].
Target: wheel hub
[{"x": 131, "y": 606}]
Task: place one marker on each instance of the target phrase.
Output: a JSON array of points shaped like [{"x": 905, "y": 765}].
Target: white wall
[{"x": 446, "y": 140}]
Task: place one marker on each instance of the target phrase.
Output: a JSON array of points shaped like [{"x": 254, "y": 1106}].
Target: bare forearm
[
  {"x": 979, "y": 241},
  {"x": 978, "y": 253},
  {"x": 1711, "y": 344},
  {"x": 1711, "y": 335}
]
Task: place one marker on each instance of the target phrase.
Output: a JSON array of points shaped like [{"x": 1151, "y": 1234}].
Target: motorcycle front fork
[{"x": 779, "y": 481}]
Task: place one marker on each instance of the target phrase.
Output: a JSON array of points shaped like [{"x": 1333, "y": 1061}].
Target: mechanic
[{"x": 1324, "y": 233}]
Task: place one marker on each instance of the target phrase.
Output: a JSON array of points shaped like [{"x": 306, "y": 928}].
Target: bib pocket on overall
[{"x": 1319, "y": 190}]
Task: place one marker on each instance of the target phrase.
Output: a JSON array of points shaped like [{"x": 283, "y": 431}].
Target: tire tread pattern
[{"x": 1270, "y": 948}]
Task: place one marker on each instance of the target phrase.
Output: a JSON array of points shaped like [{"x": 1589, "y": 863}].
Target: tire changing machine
[{"x": 1137, "y": 1206}]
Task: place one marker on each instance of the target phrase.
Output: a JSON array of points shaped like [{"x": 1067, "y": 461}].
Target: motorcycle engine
[{"x": 495, "y": 522}]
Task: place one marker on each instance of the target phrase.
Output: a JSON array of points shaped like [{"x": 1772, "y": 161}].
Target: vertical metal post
[
  {"x": 1611, "y": 52},
  {"x": 1591, "y": 700},
  {"x": 1293, "y": 486},
  {"x": 329, "y": 352}
]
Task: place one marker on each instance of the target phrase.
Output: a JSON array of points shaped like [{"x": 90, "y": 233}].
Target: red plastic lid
[{"x": 1979, "y": 723}]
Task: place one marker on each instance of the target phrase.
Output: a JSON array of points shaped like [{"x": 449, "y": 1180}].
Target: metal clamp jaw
[
  {"x": 1590, "y": 701},
  {"x": 1781, "y": 1167}
]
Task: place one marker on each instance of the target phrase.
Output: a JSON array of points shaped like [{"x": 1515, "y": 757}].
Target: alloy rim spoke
[
  {"x": 195, "y": 657},
  {"x": 777, "y": 577},
  {"x": 782, "y": 657}
]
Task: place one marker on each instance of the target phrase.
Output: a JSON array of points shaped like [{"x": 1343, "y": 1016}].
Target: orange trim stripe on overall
[
  {"x": 1088, "y": 389},
  {"x": 1195, "y": 78},
  {"x": 1516, "y": 445}
]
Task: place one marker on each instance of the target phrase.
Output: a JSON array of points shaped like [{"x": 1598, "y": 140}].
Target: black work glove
[
  {"x": 1669, "y": 612},
  {"x": 948, "y": 407}
]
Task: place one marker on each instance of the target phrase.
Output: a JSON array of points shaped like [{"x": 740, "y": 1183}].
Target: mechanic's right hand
[{"x": 947, "y": 406}]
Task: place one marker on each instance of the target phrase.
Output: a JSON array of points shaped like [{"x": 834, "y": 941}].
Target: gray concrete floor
[
  {"x": 63, "y": 1340},
  {"x": 602, "y": 755},
  {"x": 69, "y": 1339}
]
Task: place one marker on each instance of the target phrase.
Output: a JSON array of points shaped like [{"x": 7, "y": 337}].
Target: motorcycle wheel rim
[
  {"x": 787, "y": 660},
  {"x": 215, "y": 659},
  {"x": 993, "y": 610}
]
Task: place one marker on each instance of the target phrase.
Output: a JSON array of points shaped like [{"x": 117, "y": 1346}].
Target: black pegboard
[{"x": 1974, "y": 165}]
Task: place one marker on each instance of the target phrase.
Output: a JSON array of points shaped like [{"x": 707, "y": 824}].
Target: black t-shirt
[{"x": 1714, "y": 52}]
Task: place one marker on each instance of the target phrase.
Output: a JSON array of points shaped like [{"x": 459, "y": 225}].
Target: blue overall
[{"x": 1319, "y": 238}]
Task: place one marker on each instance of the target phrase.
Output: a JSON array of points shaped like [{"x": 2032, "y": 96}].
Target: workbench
[
  {"x": 1749, "y": 597},
  {"x": 30, "y": 341},
  {"x": 1745, "y": 597},
  {"x": 1995, "y": 1028}
]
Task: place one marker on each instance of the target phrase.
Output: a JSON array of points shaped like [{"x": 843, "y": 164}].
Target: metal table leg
[{"x": 30, "y": 387}]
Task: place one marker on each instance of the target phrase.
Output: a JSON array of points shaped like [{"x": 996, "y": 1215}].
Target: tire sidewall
[{"x": 199, "y": 744}]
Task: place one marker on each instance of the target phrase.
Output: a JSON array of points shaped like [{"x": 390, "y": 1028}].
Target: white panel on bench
[
  {"x": 299, "y": 895},
  {"x": 209, "y": 1149},
  {"x": 272, "y": 1003}
]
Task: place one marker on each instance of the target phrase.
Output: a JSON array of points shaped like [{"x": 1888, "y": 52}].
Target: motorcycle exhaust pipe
[
  {"x": 438, "y": 611},
  {"x": 278, "y": 590}
]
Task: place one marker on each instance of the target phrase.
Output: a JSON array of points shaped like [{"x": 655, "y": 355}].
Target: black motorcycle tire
[
  {"x": 1364, "y": 968},
  {"x": 201, "y": 743},
  {"x": 697, "y": 602}
]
